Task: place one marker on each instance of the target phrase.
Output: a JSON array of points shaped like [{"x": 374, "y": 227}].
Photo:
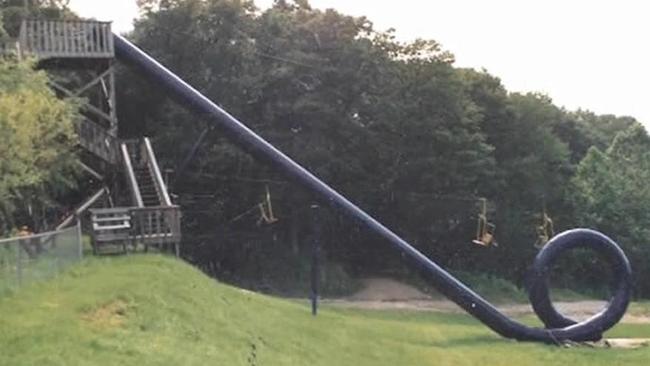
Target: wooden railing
[
  {"x": 154, "y": 169},
  {"x": 97, "y": 140},
  {"x": 82, "y": 208},
  {"x": 66, "y": 39},
  {"x": 134, "y": 187},
  {"x": 142, "y": 156},
  {"x": 110, "y": 226},
  {"x": 156, "y": 225},
  {"x": 135, "y": 151},
  {"x": 148, "y": 226}
]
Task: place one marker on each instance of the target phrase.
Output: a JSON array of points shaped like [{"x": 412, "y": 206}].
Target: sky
[{"x": 585, "y": 54}]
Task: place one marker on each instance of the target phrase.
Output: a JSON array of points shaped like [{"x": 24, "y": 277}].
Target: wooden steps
[{"x": 152, "y": 220}]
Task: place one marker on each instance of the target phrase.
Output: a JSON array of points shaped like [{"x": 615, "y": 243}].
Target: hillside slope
[{"x": 153, "y": 310}]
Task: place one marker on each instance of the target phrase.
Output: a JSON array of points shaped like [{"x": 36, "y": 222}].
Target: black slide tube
[{"x": 456, "y": 291}]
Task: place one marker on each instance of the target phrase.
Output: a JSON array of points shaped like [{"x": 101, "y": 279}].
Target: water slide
[{"x": 557, "y": 327}]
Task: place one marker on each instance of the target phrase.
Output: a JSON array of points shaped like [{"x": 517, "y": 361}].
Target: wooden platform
[
  {"x": 45, "y": 39},
  {"x": 125, "y": 227}
]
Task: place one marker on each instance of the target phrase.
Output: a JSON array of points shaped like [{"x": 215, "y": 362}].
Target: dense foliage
[
  {"x": 37, "y": 157},
  {"x": 612, "y": 193}
]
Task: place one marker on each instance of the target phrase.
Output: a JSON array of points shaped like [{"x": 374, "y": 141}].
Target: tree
[
  {"x": 599, "y": 130},
  {"x": 14, "y": 12},
  {"x": 36, "y": 129},
  {"x": 611, "y": 195}
]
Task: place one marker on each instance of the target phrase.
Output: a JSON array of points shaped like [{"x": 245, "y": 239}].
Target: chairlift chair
[
  {"x": 266, "y": 210},
  {"x": 545, "y": 231},
  {"x": 485, "y": 230}
]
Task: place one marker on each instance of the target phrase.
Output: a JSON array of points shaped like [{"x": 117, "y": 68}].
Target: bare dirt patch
[
  {"x": 386, "y": 289},
  {"x": 107, "y": 316}
]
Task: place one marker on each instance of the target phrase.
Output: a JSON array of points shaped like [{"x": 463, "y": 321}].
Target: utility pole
[{"x": 317, "y": 225}]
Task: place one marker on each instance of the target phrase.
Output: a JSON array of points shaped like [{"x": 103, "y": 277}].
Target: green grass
[{"x": 152, "y": 310}]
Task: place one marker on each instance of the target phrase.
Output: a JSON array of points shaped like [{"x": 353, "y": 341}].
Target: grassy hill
[{"x": 152, "y": 310}]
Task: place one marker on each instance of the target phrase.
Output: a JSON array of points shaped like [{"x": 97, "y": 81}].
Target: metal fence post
[
  {"x": 315, "y": 256},
  {"x": 80, "y": 241},
  {"x": 19, "y": 269}
]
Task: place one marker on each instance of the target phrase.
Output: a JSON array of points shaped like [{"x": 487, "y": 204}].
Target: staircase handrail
[
  {"x": 161, "y": 187},
  {"x": 130, "y": 174}
]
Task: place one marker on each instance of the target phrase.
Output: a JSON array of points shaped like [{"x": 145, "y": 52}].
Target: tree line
[{"x": 394, "y": 126}]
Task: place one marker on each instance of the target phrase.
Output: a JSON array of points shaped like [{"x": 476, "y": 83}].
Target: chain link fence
[{"x": 28, "y": 259}]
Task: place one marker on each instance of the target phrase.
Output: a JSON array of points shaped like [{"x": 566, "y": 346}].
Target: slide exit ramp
[{"x": 558, "y": 328}]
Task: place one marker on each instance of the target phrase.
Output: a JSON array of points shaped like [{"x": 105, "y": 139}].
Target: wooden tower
[{"x": 80, "y": 58}]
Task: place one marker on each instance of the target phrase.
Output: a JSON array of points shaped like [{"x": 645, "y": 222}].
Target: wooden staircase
[
  {"x": 150, "y": 196},
  {"x": 152, "y": 219}
]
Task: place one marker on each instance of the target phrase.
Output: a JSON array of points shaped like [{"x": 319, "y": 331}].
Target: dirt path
[{"x": 388, "y": 294}]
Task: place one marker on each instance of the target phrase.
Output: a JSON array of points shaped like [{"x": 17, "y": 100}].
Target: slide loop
[{"x": 587, "y": 239}]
